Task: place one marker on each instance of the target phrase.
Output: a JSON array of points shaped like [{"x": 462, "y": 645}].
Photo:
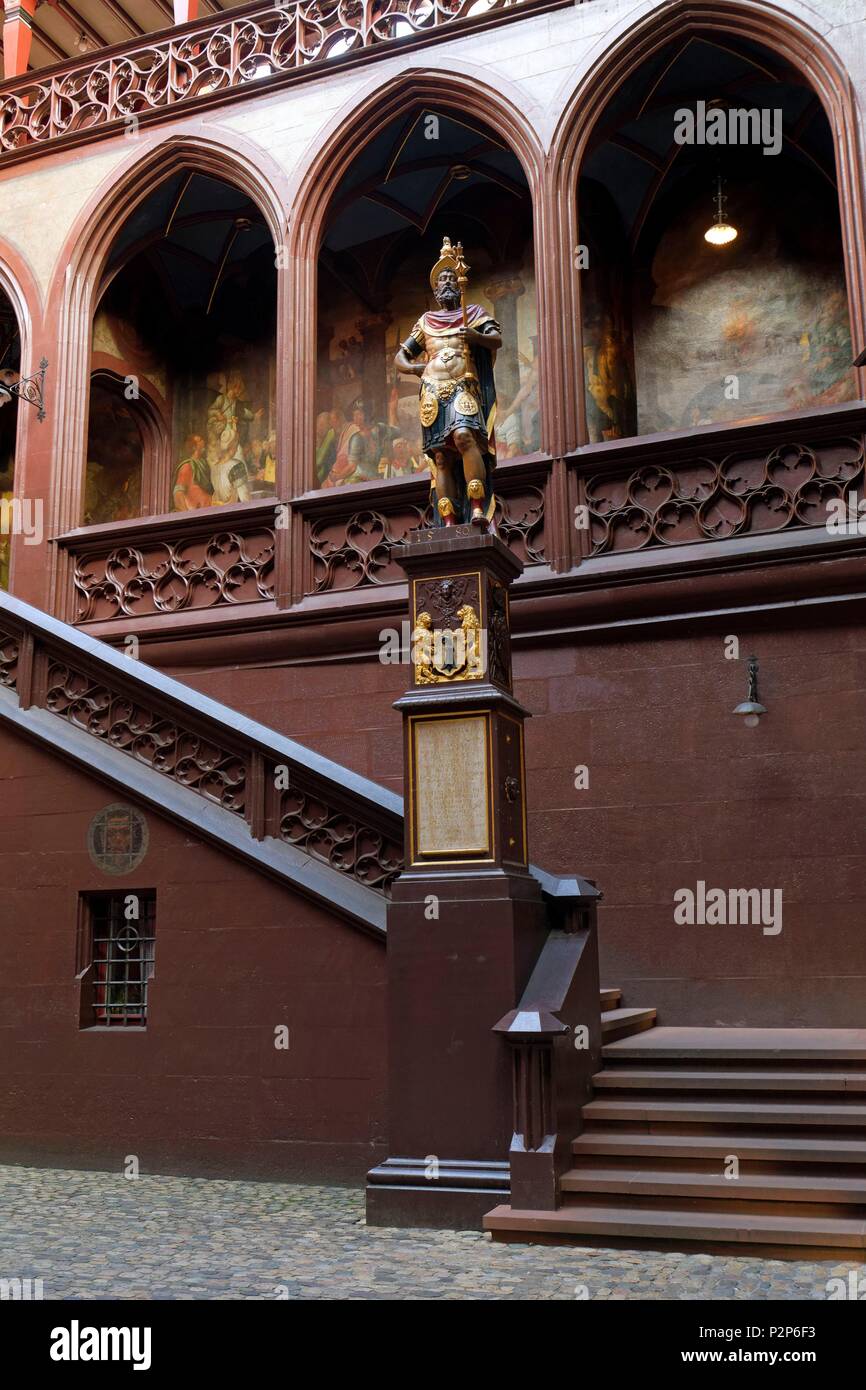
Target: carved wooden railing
[
  {"x": 353, "y": 536},
  {"x": 721, "y": 484},
  {"x": 225, "y": 55},
  {"x": 188, "y": 560},
  {"x": 661, "y": 493},
  {"x": 279, "y": 787},
  {"x": 346, "y": 539},
  {"x": 555, "y": 1038}
]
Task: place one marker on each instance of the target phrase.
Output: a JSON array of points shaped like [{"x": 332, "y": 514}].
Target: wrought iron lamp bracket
[{"x": 30, "y": 389}]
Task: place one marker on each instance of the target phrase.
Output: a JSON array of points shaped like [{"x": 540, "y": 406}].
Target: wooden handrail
[{"x": 555, "y": 1038}]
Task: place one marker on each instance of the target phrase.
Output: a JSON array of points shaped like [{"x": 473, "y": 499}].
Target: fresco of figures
[
  {"x": 225, "y": 439},
  {"x": 353, "y": 447}
]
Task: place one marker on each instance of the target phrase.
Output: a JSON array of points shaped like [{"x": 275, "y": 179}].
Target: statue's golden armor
[{"x": 457, "y": 394}]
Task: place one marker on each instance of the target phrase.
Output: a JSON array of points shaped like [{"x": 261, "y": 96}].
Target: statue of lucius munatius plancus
[{"x": 457, "y": 400}]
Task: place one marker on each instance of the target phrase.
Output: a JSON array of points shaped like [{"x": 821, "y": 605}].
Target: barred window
[{"x": 120, "y": 933}]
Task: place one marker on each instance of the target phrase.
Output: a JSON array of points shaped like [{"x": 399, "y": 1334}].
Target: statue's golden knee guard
[
  {"x": 475, "y": 491},
  {"x": 446, "y": 510}
]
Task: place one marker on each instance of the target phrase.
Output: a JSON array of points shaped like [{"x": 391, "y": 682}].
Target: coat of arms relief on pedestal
[{"x": 448, "y": 642}]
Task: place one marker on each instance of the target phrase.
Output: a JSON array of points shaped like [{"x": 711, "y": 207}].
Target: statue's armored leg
[
  {"x": 475, "y": 473},
  {"x": 445, "y": 488}
]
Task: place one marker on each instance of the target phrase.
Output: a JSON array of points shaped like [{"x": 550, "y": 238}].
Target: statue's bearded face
[{"x": 447, "y": 290}]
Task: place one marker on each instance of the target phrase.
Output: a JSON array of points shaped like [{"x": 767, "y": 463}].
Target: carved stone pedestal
[{"x": 467, "y": 920}]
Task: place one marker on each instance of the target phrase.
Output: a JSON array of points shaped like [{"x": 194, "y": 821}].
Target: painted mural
[
  {"x": 112, "y": 488},
  {"x": 608, "y": 348},
  {"x": 194, "y": 334},
  {"x": 223, "y": 425},
  {"x": 224, "y": 433},
  {"x": 367, "y": 426},
  {"x": 608, "y": 364},
  {"x": 756, "y": 327}
]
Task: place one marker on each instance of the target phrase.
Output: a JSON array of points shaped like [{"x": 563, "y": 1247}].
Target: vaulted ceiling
[
  {"x": 414, "y": 168},
  {"x": 633, "y": 152}
]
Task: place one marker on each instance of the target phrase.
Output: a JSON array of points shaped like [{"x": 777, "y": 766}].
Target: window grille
[{"x": 121, "y": 957}]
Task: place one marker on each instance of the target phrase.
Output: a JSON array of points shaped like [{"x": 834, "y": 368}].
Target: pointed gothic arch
[
  {"x": 782, "y": 34},
  {"x": 76, "y": 287},
  {"x": 20, "y": 299},
  {"x": 349, "y": 133}
]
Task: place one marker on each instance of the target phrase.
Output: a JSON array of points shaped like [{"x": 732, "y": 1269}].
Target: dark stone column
[{"x": 467, "y": 921}]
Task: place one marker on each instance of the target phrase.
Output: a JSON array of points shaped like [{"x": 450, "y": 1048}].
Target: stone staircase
[
  {"x": 617, "y": 1022},
  {"x": 725, "y": 1139}
]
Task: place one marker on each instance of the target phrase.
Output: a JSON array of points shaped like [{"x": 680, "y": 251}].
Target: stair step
[
  {"x": 693, "y": 1182},
  {"x": 750, "y": 1044},
  {"x": 651, "y": 1078},
  {"x": 711, "y": 1111},
  {"x": 620, "y": 1023},
  {"x": 667, "y": 1222},
  {"x": 610, "y": 998},
  {"x": 793, "y": 1148}
]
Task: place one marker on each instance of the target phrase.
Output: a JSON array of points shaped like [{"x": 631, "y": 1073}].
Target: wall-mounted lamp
[
  {"x": 751, "y": 709},
  {"x": 26, "y": 388}
]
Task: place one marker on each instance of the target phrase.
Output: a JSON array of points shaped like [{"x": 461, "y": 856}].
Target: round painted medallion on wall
[{"x": 117, "y": 839}]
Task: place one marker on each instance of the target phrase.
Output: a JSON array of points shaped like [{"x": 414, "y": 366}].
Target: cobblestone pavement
[{"x": 102, "y": 1236}]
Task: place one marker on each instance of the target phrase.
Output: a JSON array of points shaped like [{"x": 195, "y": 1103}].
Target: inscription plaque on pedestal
[{"x": 450, "y": 786}]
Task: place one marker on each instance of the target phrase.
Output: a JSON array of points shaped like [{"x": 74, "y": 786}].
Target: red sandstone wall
[
  {"x": 678, "y": 791},
  {"x": 203, "y": 1088},
  {"x": 340, "y": 709}
]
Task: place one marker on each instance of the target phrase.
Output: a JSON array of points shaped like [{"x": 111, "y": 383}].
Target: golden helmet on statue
[{"x": 450, "y": 258}]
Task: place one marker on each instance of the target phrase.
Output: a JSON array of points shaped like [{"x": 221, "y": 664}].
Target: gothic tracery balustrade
[
  {"x": 362, "y": 549},
  {"x": 747, "y": 491},
  {"x": 213, "y": 57},
  {"x": 225, "y": 567},
  {"x": 372, "y": 856},
  {"x": 354, "y": 547},
  {"x": 182, "y": 754},
  {"x": 9, "y": 652}
]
